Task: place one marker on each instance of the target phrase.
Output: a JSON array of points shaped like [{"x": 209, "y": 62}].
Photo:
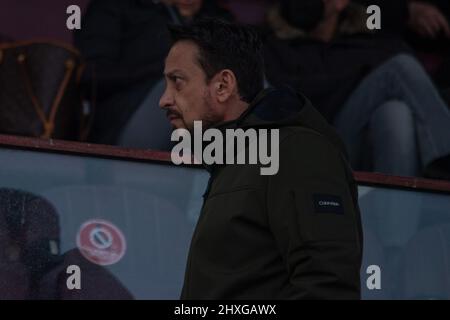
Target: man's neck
[{"x": 235, "y": 110}]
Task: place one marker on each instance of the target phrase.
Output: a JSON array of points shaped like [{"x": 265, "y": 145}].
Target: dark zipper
[{"x": 189, "y": 262}]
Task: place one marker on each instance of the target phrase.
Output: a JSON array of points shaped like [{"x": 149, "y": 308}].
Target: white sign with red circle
[{"x": 101, "y": 242}]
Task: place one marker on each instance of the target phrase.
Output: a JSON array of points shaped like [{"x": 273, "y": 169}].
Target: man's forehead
[
  {"x": 182, "y": 58},
  {"x": 183, "y": 50}
]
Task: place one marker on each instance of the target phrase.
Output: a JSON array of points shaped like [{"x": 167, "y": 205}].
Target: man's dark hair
[{"x": 226, "y": 45}]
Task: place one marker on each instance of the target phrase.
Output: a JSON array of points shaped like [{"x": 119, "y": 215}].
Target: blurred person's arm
[
  {"x": 427, "y": 20},
  {"x": 100, "y": 42},
  {"x": 443, "y": 5}
]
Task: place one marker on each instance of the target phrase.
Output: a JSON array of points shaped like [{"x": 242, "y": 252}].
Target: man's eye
[{"x": 178, "y": 83}]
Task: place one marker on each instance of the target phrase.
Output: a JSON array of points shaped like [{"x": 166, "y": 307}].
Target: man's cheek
[
  {"x": 188, "y": 123},
  {"x": 178, "y": 123}
]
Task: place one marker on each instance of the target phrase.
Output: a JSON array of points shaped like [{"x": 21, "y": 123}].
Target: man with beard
[{"x": 296, "y": 234}]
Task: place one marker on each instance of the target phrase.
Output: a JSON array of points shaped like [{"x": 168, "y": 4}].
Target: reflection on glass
[
  {"x": 31, "y": 265},
  {"x": 406, "y": 233}
]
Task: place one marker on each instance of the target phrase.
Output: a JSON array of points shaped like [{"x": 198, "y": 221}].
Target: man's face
[
  {"x": 188, "y": 8},
  {"x": 187, "y": 97}
]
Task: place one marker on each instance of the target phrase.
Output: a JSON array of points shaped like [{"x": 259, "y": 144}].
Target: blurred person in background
[
  {"x": 425, "y": 25},
  {"x": 379, "y": 98},
  {"x": 124, "y": 43},
  {"x": 429, "y": 18},
  {"x": 190, "y": 10},
  {"x": 429, "y": 23},
  {"x": 250, "y": 12}
]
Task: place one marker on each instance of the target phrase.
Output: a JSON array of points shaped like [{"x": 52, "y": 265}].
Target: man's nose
[{"x": 166, "y": 100}]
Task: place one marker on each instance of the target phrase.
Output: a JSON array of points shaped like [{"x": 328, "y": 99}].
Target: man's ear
[{"x": 224, "y": 85}]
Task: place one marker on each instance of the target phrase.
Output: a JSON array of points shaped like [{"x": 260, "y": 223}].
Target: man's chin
[{"x": 177, "y": 123}]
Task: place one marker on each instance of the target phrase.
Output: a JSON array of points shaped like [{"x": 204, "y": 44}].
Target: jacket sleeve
[{"x": 314, "y": 217}]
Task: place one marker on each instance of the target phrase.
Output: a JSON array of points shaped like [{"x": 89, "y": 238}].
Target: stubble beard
[{"x": 210, "y": 117}]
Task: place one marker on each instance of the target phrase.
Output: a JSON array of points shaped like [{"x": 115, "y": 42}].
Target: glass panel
[
  {"x": 133, "y": 222},
  {"x": 406, "y": 234},
  {"x": 155, "y": 207}
]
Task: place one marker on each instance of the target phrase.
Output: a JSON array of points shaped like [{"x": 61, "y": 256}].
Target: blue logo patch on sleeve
[{"x": 324, "y": 203}]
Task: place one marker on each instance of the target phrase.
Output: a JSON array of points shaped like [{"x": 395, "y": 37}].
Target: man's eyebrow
[{"x": 174, "y": 73}]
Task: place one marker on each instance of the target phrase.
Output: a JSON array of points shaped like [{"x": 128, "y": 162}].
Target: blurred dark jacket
[
  {"x": 326, "y": 73},
  {"x": 124, "y": 43}
]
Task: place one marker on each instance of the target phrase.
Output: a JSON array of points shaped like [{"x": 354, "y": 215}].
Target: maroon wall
[{"x": 31, "y": 19}]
